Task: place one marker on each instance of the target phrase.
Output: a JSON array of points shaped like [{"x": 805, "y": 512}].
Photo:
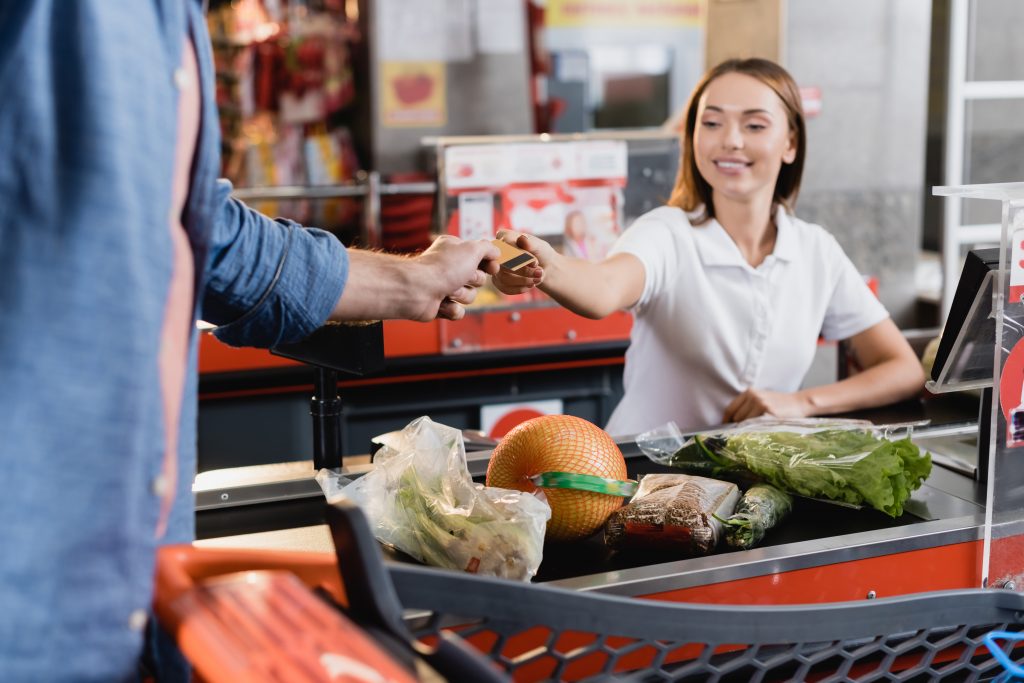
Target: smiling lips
[{"x": 731, "y": 166}]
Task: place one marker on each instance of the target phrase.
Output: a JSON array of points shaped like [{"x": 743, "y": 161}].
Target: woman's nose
[{"x": 733, "y": 138}]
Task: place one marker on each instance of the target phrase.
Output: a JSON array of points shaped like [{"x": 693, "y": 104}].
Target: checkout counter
[{"x": 820, "y": 553}]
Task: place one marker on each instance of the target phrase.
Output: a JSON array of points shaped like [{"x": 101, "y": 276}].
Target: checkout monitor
[{"x": 970, "y": 318}]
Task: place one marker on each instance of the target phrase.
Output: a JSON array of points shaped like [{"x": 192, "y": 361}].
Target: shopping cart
[{"x": 537, "y": 633}]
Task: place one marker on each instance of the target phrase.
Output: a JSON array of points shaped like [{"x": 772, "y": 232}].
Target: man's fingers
[
  {"x": 451, "y": 310},
  {"x": 488, "y": 250},
  {"x": 463, "y": 295},
  {"x": 490, "y": 266}
]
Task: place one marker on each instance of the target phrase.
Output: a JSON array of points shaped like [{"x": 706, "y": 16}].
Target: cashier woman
[{"x": 730, "y": 291}]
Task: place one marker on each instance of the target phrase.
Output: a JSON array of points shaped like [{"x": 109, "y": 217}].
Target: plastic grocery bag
[
  {"x": 845, "y": 461},
  {"x": 420, "y": 498}
]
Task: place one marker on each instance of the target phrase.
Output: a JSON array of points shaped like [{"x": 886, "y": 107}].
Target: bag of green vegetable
[
  {"x": 420, "y": 499},
  {"x": 761, "y": 507},
  {"x": 846, "y": 461}
]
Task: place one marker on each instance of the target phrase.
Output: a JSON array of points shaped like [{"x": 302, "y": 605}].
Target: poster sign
[
  {"x": 623, "y": 13},
  {"x": 810, "y": 98},
  {"x": 569, "y": 193},
  {"x": 412, "y": 95},
  {"x": 497, "y": 419},
  {"x": 476, "y": 215}
]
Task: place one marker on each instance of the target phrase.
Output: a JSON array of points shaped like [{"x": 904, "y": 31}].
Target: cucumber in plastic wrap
[{"x": 761, "y": 507}]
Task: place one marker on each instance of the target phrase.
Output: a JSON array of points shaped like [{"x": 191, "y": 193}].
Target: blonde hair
[{"x": 692, "y": 191}]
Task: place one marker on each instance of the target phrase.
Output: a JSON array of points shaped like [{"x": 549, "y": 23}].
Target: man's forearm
[{"x": 380, "y": 286}]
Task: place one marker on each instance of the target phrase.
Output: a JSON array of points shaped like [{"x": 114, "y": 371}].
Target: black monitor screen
[{"x": 974, "y": 362}]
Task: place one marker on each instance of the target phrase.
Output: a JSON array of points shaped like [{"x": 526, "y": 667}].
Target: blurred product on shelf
[
  {"x": 285, "y": 87},
  {"x": 406, "y": 219}
]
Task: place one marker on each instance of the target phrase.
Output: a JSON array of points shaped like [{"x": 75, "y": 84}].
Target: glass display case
[{"x": 996, "y": 312}]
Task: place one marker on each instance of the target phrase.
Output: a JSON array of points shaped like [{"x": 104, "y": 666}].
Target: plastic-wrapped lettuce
[
  {"x": 843, "y": 461},
  {"x": 761, "y": 507},
  {"x": 420, "y": 498}
]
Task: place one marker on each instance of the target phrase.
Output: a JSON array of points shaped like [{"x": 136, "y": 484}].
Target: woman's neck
[{"x": 750, "y": 224}]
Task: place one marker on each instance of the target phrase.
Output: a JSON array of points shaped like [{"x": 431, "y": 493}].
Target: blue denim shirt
[{"x": 88, "y": 110}]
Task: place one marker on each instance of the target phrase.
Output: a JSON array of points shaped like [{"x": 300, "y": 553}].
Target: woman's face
[
  {"x": 742, "y": 137},
  {"x": 576, "y": 227}
]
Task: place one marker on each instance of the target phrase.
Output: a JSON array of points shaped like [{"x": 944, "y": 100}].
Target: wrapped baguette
[{"x": 673, "y": 512}]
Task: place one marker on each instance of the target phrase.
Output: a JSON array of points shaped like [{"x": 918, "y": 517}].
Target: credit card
[{"x": 513, "y": 258}]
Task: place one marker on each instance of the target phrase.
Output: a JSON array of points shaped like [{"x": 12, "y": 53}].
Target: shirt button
[
  {"x": 159, "y": 486},
  {"x": 137, "y": 620},
  {"x": 181, "y": 79}
]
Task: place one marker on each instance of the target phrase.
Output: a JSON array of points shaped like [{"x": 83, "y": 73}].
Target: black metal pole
[{"x": 325, "y": 407}]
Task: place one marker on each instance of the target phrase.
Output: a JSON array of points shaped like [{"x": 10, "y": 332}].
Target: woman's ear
[{"x": 789, "y": 155}]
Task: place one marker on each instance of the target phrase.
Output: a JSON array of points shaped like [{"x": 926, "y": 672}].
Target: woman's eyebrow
[{"x": 746, "y": 112}]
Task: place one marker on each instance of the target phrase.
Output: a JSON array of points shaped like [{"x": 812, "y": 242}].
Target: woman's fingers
[{"x": 736, "y": 409}]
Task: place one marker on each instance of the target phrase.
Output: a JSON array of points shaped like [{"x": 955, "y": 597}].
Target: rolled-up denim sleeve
[{"x": 269, "y": 281}]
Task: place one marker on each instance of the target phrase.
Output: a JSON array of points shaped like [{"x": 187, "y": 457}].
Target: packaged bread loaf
[{"x": 673, "y": 512}]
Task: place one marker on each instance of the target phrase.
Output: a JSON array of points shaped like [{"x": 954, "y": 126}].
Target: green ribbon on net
[{"x": 586, "y": 482}]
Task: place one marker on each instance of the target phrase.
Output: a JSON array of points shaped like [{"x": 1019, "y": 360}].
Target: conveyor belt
[{"x": 948, "y": 509}]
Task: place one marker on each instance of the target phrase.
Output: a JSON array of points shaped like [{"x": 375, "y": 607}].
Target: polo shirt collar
[{"x": 716, "y": 248}]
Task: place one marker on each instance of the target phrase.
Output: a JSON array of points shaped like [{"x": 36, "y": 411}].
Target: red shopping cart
[{"x": 409, "y": 615}]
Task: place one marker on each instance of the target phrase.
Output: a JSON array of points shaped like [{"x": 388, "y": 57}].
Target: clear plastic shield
[{"x": 1003, "y": 549}]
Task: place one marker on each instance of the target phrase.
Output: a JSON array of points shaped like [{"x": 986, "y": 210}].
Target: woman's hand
[
  {"x": 755, "y": 402},
  {"x": 525, "y": 279}
]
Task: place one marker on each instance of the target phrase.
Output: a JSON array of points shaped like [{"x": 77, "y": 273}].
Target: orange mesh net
[{"x": 560, "y": 443}]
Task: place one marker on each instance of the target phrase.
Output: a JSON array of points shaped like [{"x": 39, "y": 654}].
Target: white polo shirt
[{"x": 708, "y": 325}]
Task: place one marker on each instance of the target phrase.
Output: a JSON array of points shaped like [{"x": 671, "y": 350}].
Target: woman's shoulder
[
  {"x": 671, "y": 216},
  {"x": 810, "y": 236},
  {"x": 815, "y": 247},
  {"x": 663, "y": 231},
  {"x": 669, "y": 221}
]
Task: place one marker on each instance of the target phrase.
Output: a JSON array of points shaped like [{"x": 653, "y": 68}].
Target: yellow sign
[
  {"x": 412, "y": 95},
  {"x": 623, "y": 13}
]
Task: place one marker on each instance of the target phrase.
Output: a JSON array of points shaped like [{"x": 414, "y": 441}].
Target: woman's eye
[
  {"x": 710, "y": 124},
  {"x": 756, "y": 126}
]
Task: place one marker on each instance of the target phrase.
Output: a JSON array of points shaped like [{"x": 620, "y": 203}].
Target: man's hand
[
  {"x": 454, "y": 269},
  {"x": 437, "y": 283},
  {"x": 527, "y": 278},
  {"x": 754, "y": 402}
]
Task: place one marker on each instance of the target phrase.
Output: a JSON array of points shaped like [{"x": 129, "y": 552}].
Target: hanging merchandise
[
  {"x": 330, "y": 159},
  {"x": 284, "y": 89}
]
